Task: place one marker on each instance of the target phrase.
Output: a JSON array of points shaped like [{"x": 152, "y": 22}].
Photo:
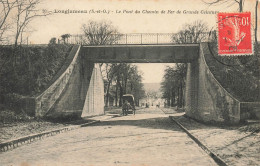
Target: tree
[
  {"x": 110, "y": 70},
  {"x": 65, "y": 37},
  {"x": 27, "y": 10},
  {"x": 122, "y": 78},
  {"x": 135, "y": 85},
  {"x": 229, "y": 3},
  {"x": 240, "y": 4},
  {"x": 53, "y": 41},
  {"x": 6, "y": 7},
  {"x": 173, "y": 84},
  {"x": 191, "y": 33},
  {"x": 100, "y": 33},
  {"x": 168, "y": 85},
  {"x": 256, "y": 7}
]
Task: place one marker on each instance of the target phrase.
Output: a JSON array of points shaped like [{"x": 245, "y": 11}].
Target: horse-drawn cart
[{"x": 128, "y": 103}]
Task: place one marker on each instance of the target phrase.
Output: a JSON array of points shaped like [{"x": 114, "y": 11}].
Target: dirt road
[{"x": 148, "y": 138}]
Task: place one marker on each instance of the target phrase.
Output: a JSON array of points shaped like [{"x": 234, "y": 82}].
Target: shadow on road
[{"x": 152, "y": 123}]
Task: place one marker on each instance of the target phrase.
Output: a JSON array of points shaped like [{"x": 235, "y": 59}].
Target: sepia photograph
[{"x": 129, "y": 82}]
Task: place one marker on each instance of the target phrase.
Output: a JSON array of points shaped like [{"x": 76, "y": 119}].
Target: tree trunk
[
  {"x": 241, "y": 6},
  {"x": 178, "y": 96},
  {"x": 107, "y": 95},
  {"x": 116, "y": 93},
  {"x": 256, "y": 24},
  {"x": 16, "y": 41},
  {"x": 172, "y": 98},
  {"x": 120, "y": 95},
  {"x": 181, "y": 96},
  {"x": 125, "y": 85},
  {"x": 21, "y": 39}
]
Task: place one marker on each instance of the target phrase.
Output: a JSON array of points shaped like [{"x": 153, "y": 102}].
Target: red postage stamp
[{"x": 234, "y": 34}]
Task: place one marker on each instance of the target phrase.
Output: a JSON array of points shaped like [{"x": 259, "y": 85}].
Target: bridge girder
[{"x": 185, "y": 53}]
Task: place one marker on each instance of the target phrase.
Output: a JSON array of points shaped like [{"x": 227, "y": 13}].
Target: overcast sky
[
  {"x": 60, "y": 23},
  {"x": 152, "y": 72}
]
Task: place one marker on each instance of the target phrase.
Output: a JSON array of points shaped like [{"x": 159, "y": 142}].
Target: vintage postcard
[{"x": 129, "y": 82}]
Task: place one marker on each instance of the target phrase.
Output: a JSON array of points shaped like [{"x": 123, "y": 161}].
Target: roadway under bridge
[{"x": 79, "y": 87}]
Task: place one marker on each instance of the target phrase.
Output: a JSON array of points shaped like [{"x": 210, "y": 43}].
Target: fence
[{"x": 138, "y": 38}]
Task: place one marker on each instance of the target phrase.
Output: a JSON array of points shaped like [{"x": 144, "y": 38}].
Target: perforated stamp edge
[{"x": 251, "y": 31}]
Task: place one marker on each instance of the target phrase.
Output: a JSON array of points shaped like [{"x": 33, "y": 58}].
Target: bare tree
[
  {"x": 191, "y": 33},
  {"x": 26, "y": 11},
  {"x": 174, "y": 79},
  {"x": 256, "y": 5},
  {"x": 100, "y": 33},
  {"x": 228, "y": 3},
  {"x": 240, "y": 4},
  {"x": 6, "y": 7}
]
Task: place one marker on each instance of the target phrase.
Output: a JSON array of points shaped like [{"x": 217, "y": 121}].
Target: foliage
[
  {"x": 173, "y": 84},
  {"x": 119, "y": 78},
  {"x": 123, "y": 79},
  {"x": 191, "y": 33},
  {"x": 10, "y": 116},
  {"x": 100, "y": 33},
  {"x": 238, "y": 75},
  {"x": 53, "y": 41},
  {"x": 253, "y": 128},
  {"x": 32, "y": 69},
  {"x": 65, "y": 37}
]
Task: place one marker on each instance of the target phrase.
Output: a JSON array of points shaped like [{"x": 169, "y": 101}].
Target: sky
[
  {"x": 152, "y": 72},
  {"x": 59, "y": 23}
]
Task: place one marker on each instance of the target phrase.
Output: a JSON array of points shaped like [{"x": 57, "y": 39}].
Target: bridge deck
[{"x": 181, "y": 53}]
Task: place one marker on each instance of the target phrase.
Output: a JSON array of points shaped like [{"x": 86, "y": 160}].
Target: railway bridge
[{"x": 79, "y": 85}]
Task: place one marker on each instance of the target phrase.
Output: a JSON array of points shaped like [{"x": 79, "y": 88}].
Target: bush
[
  {"x": 27, "y": 70},
  {"x": 238, "y": 75}
]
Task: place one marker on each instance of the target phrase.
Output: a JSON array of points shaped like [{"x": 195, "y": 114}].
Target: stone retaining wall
[
  {"x": 207, "y": 100},
  {"x": 45, "y": 101}
]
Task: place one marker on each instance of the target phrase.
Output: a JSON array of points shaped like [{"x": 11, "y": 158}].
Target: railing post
[
  {"x": 125, "y": 38},
  {"x": 141, "y": 38},
  {"x": 157, "y": 38}
]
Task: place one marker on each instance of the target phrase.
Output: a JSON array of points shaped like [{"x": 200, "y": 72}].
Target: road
[{"x": 148, "y": 138}]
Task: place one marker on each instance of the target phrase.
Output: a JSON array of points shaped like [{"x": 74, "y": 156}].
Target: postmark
[{"x": 234, "y": 34}]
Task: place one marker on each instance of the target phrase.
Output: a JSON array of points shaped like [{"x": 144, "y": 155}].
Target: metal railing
[{"x": 137, "y": 38}]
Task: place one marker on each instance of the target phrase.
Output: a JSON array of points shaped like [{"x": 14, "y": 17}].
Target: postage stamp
[{"x": 234, "y": 34}]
